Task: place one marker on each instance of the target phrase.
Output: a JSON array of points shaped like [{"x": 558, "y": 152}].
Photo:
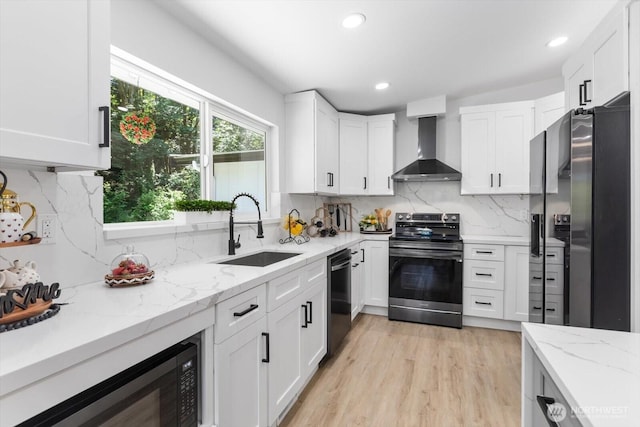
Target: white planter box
[{"x": 197, "y": 217}]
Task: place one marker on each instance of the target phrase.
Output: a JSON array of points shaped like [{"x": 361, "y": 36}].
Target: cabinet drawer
[
  {"x": 555, "y": 280},
  {"x": 483, "y": 303},
  {"x": 554, "y": 310},
  {"x": 484, "y": 252},
  {"x": 284, "y": 288},
  {"x": 316, "y": 271},
  {"x": 555, "y": 256},
  {"x": 240, "y": 311},
  {"x": 484, "y": 274}
]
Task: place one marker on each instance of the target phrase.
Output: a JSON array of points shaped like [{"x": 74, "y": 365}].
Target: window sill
[{"x": 159, "y": 228}]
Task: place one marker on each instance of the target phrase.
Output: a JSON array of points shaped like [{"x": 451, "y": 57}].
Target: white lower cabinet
[
  {"x": 240, "y": 377},
  {"x": 269, "y": 340},
  {"x": 357, "y": 276},
  {"x": 375, "y": 259},
  {"x": 285, "y": 336},
  {"x": 516, "y": 284}
]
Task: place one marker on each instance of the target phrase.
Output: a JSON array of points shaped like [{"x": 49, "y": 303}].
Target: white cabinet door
[
  {"x": 285, "y": 335},
  {"x": 478, "y": 156},
  {"x": 547, "y": 110},
  {"x": 327, "y": 148},
  {"x": 514, "y": 129},
  {"x": 314, "y": 332},
  {"x": 381, "y": 156},
  {"x": 574, "y": 83},
  {"x": 311, "y": 153},
  {"x": 376, "y": 276},
  {"x": 610, "y": 58},
  {"x": 241, "y": 378},
  {"x": 353, "y": 154},
  {"x": 516, "y": 283},
  {"x": 356, "y": 280},
  {"x": 54, "y": 77}
]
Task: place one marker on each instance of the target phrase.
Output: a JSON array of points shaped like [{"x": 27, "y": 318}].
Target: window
[{"x": 160, "y": 131}]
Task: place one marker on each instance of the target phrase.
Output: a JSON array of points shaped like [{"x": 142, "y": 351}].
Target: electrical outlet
[{"x": 47, "y": 227}]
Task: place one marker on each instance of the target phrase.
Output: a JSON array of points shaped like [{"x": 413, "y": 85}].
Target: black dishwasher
[{"x": 339, "y": 299}]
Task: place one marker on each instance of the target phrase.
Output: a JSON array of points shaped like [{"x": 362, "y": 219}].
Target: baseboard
[
  {"x": 482, "y": 322},
  {"x": 378, "y": 311}
]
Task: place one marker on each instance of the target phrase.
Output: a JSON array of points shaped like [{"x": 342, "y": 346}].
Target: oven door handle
[{"x": 430, "y": 254}]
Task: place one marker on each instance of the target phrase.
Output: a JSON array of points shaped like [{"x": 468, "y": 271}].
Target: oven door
[{"x": 425, "y": 275}]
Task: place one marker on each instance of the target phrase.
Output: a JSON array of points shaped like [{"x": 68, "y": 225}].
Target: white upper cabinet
[
  {"x": 312, "y": 149},
  {"x": 547, "y": 110},
  {"x": 54, "y": 80},
  {"x": 495, "y": 148},
  {"x": 366, "y": 154},
  {"x": 353, "y": 154},
  {"x": 599, "y": 71}
]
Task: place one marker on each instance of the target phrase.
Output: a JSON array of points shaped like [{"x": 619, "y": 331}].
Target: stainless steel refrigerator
[{"x": 579, "y": 268}]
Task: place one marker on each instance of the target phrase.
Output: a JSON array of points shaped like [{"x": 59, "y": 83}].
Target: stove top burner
[{"x": 440, "y": 227}]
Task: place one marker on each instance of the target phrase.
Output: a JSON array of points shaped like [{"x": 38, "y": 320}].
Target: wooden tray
[
  {"x": 39, "y": 307},
  {"x": 21, "y": 243}
]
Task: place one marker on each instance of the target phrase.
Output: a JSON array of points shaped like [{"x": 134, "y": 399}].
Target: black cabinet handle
[
  {"x": 266, "y": 359},
  {"x": 550, "y": 309},
  {"x": 389, "y": 182},
  {"x": 482, "y": 303},
  {"x": 586, "y": 91},
  {"x": 537, "y": 308},
  {"x": 580, "y": 91},
  {"x": 106, "y": 127},
  {"x": 537, "y": 278},
  {"x": 500, "y": 180},
  {"x": 485, "y": 252},
  {"x": 328, "y": 179},
  {"x": 544, "y": 402},
  {"x": 310, "y": 311},
  {"x": 354, "y": 252},
  {"x": 362, "y": 260},
  {"x": 306, "y": 322},
  {"x": 248, "y": 310},
  {"x": 484, "y": 274},
  {"x": 550, "y": 279},
  {"x": 491, "y": 180},
  {"x": 551, "y": 255},
  {"x": 365, "y": 183}
]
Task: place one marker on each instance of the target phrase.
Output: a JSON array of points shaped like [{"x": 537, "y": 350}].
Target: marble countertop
[
  {"x": 596, "y": 370},
  {"x": 98, "y": 318}
]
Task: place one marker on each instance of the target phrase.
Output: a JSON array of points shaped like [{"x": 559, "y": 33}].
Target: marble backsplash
[{"x": 83, "y": 255}]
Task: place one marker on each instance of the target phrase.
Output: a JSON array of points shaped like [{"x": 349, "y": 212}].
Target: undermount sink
[{"x": 260, "y": 259}]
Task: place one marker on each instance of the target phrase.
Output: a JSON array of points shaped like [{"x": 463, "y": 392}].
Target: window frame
[{"x": 208, "y": 105}]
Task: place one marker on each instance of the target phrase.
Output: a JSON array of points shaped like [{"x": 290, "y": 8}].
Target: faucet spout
[{"x": 233, "y": 245}]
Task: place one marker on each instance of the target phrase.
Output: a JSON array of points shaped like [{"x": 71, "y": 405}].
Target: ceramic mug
[{"x": 11, "y": 227}]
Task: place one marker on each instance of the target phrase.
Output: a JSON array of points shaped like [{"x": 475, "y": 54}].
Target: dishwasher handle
[{"x": 342, "y": 265}]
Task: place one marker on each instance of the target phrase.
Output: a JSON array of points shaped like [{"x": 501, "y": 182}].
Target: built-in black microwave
[{"x": 162, "y": 390}]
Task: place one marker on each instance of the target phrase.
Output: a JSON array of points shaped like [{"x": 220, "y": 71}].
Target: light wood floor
[{"x": 390, "y": 373}]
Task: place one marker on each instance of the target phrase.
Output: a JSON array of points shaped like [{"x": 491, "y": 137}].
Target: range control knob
[
  {"x": 565, "y": 218},
  {"x": 445, "y": 217},
  {"x": 408, "y": 216},
  {"x": 453, "y": 218},
  {"x": 400, "y": 216}
]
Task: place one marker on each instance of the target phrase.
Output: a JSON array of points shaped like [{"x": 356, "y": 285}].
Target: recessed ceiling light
[
  {"x": 354, "y": 20},
  {"x": 557, "y": 41},
  {"x": 382, "y": 85}
]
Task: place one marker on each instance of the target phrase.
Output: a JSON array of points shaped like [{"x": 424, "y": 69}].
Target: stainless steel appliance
[
  {"x": 580, "y": 167},
  {"x": 425, "y": 269},
  {"x": 338, "y": 299},
  {"x": 160, "y": 391}
]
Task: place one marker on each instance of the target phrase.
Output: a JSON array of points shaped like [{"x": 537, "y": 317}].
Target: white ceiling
[{"x": 423, "y": 48}]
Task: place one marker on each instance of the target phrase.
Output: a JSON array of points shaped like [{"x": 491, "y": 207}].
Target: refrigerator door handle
[{"x": 535, "y": 235}]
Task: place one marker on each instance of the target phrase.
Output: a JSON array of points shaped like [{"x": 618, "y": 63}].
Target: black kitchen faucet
[{"x": 233, "y": 245}]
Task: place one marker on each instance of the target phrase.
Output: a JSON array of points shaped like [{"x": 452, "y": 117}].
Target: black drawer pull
[
  {"x": 537, "y": 277},
  {"x": 499, "y": 180},
  {"x": 550, "y": 279},
  {"x": 485, "y": 252},
  {"x": 310, "y": 311},
  {"x": 550, "y": 309},
  {"x": 266, "y": 359},
  {"x": 306, "y": 312},
  {"x": 551, "y": 255},
  {"x": 535, "y": 307},
  {"x": 544, "y": 402},
  {"x": 365, "y": 183},
  {"x": 483, "y": 303},
  {"x": 248, "y": 310},
  {"x": 484, "y": 274}
]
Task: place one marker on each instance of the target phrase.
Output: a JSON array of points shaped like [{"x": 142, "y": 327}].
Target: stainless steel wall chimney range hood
[{"x": 427, "y": 167}]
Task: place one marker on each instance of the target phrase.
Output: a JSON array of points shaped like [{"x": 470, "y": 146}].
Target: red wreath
[{"x": 137, "y": 129}]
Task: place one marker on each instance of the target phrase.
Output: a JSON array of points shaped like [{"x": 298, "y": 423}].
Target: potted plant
[{"x": 197, "y": 211}]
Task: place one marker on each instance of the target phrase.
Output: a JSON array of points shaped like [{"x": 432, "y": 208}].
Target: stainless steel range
[{"x": 425, "y": 269}]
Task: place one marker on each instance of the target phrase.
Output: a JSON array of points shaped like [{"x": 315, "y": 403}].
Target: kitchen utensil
[
  {"x": 4, "y": 183},
  {"x": 338, "y": 215},
  {"x": 11, "y": 204}
]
